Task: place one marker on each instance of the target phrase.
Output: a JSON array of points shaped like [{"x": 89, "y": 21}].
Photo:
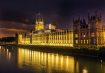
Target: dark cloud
[
  {"x": 20, "y": 9},
  {"x": 62, "y": 11}
]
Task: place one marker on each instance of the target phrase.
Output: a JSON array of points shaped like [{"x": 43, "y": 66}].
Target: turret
[{"x": 39, "y": 22}]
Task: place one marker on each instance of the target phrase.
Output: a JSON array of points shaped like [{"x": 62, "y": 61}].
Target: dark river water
[{"x": 24, "y": 60}]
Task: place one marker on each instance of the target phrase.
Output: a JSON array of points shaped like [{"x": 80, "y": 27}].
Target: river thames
[{"x": 25, "y": 60}]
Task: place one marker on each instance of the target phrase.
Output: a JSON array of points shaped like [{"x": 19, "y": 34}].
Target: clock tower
[{"x": 39, "y": 25}]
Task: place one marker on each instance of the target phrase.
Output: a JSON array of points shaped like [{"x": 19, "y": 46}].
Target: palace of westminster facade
[{"x": 83, "y": 35}]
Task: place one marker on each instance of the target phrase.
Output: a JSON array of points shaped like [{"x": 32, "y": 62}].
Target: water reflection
[
  {"x": 6, "y": 52},
  {"x": 48, "y": 61},
  {"x": 31, "y": 61}
]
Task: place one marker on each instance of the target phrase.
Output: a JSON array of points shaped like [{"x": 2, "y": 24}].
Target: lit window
[
  {"x": 76, "y": 41},
  {"x": 93, "y": 34},
  {"x": 84, "y": 35},
  {"x": 81, "y": 41},
  {"x": 84, "y": 41},
  {"x": 76, "y": 35},
  {"x": 87, "y": 41}
]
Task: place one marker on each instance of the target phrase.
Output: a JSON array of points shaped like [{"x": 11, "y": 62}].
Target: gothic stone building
[{"x": 88, "y": 35}]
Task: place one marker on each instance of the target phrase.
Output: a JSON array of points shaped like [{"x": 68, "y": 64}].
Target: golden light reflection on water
[
  {"x": 48, "y": 61},
  {"x": 42, "y": 62},
  {"x": 6, "y": 52}
]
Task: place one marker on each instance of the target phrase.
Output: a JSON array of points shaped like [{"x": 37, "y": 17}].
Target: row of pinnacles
[
  {"x": 90, "y": 34},
  {"x": 85, "y": 35}
]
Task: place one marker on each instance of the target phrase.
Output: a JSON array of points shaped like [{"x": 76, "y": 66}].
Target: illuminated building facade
[
  {"x": 64, "y": 38},
  {"x": 49, "y": 35},
  {"x": 81, "y": 33},
  {"x": 88, "y": 35},
  {"x": 103, "y": 34},
  {"x": 84, "y": 35},
  {"x": 24, "y": 38}
]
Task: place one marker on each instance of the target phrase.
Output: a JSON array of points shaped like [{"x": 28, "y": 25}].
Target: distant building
[
  {"x": 88, "y": 35},
  {"x": 46, "y": 35},
  {"x": 84, "y": 35},
  {"x": 50, "y": 26}
]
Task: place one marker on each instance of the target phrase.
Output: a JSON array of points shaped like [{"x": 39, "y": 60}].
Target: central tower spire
[{"x": 39, "y": 25}]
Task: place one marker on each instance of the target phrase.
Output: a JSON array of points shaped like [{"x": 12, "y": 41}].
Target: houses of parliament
[{"x": 88, "y": 33}]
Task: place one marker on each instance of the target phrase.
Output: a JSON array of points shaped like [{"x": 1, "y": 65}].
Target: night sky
[{"x": 61, "y": 11}]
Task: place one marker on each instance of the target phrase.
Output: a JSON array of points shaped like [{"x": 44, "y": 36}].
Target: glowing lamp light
[
  {"x": 84, "y": 35},
  {"x": 71, "y": 45},
  {"x": 85, "y": 71}
]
